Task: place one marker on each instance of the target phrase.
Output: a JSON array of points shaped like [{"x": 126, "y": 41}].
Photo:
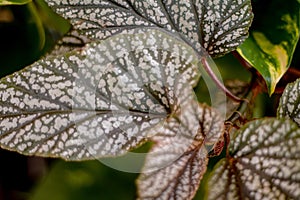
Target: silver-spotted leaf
[
  {"x": 219, "y": 26},
  {"x": 175, "y": 165},
  {"x": 289, "y": 102},
  {"x": 264, "y": 163},
  {"x": 99, "y": 102}
]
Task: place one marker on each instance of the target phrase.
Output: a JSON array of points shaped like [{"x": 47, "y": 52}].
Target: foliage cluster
[{"x": 116, "y": 75}]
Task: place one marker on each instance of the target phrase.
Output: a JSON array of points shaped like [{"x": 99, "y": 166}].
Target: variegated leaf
[
  {"x": 219, "y": 26},
  {"x": 99, "y": 102},
  {"x": 273, "y": 39},
  {"x": 175, "y": 165},
  {"x": 289, "y": 102},
  {"x": 264, "y": 163}
]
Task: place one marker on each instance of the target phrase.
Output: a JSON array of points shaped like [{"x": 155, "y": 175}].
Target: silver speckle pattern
[
  {"x": 178, "y": 160},
  {"x": 264, "y": 163},
  {"x": 218, "y": 25},
  {"x": 289, "y": 105},
  {"x": 99, "y": 102}
]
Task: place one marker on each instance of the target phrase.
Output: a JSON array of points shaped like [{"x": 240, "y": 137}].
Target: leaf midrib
[{"x": 84, "y": 110}]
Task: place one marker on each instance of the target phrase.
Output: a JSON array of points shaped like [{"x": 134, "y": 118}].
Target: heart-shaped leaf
[
  {"x": 219, "y": 26},
  {"x": 98, "y": 102},
  {"x": 273, "y": 39},
  {"x": 289, "y": 102},
  {"x": 263, "y": 163},
  {"x": 13, "y": 2},
  {"x": 178, "y": 160}
]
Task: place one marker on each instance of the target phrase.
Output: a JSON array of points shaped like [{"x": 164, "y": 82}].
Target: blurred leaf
[
  {"x": 21, "y": 37},
  {"x": 39, "y": 25},
  {"x": 289, "y": 102},
  {"x": 273, "y": 39},
  {"x": 40, "y": 28},
  {"x": 219, "y": 26},
  {"x": 175, "y": 165},
  {"x": 54, "y": 25},
  {"x": 13, "y": 2},
  {"x": 263, "y": 163},
  {"x": 99, "y": 102},
  {"x": 84, "y": 180}
]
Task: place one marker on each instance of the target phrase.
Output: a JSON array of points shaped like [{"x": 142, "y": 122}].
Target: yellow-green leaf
[{"x": 272, "y": 40}]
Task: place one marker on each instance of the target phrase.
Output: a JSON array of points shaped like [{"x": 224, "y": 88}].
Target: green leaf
[
  {"x": 289, "y": 102},
  {"x": 99, "y": 102},
  {"x": 83, "y": 180},
  {"x": 39, "y": 25},
  {"x": 175, "y": 165},
  {"x": 13, "y": 2},
  {"x": 219, "y": 26},
  {"x": 263, "y": 163},
  {"x": 53, "y": 23},
  {"x": 22, "y": 37},
  {"x": 272, "y": 41}
]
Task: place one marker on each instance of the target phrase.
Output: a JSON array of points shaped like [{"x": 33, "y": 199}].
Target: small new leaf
[
  {"x": 219, "y": 26},
  {"x": 99, "y": 102},
  {"x": 263, "y": 163},
  {"x": 289, "y": 102},
  {"x": 175, "y": 165}
]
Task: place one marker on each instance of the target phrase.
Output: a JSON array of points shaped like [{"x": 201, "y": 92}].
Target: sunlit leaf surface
[
  {"x": 289, "y": 102},
  {"x": 263, "y": 163},
  {"x": 176, "y": 164},
  {"x": 98, "y": 102},
  {"x": 219, "y": 26}
]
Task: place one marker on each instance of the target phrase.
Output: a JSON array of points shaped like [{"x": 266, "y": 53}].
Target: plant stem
[{"x": 218, "y": 82}]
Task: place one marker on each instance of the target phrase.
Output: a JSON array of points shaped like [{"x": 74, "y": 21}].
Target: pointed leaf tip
[{"x": 273, "y": 39}]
